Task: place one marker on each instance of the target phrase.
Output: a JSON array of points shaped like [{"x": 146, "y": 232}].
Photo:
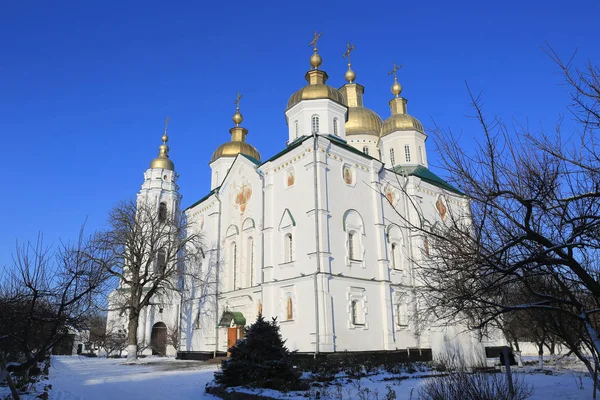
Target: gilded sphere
[
  {"x": 396, "y": 88},
  {"x": 237, "y": 118},
  {"x": 350, "y": 75},
  {"x": 316, "y": 60},
  {"x": 164, "y": 138}
]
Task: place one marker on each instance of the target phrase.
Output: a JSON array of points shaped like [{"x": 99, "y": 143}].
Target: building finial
[
  {"x": 165, "y": 138},
  {"x": 350, "y": 75},
  {"x": 315, "y": 59},
  {"x": 237, "y": 117},
  {"x": 396, "y": 87}
]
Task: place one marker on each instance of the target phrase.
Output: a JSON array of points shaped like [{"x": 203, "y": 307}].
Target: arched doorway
[{"x": 158, "y": 339}]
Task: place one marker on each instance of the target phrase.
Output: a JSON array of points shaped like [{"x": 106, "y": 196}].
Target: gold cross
[
  {"x": 237, "y": 101},
  {"x": 167, "y": 123},
  {"x": 393, "y": 71},
  {"x": 315, "y": 39},
  {"x": 349, "y": 48}
]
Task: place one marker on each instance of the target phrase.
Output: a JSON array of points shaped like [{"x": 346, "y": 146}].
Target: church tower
[
  {"x": 160, "y": 187},
  {"x": 363, "y": 125},
  {"x": 225, "y": 154},
  {"x": 317, "y": 107},
  {"x": 402, "y": 139}
]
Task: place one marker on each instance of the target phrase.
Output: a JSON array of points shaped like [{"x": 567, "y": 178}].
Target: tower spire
[
  {"x": 315, "y": 59},
  {"x": 350, "y": 75},
  {"x": 396, "y": 87},
  {"x": 162, "y": 161}
]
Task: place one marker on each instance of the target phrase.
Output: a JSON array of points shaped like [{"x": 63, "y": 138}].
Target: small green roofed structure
[{"x": 237, "y": 317}]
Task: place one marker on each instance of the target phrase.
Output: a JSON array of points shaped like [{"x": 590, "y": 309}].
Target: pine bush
[{"x": 260, "y": 360}]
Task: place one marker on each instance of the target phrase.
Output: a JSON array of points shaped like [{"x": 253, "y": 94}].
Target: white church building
[{"x": 316, "y": 235}]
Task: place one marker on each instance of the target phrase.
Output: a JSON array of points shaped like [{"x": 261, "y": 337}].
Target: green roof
[
  {"x": 427, "y": 176},
  {"x": 237, "y": 317},
  {"x": 254, "y": 160},
  {"x": 204, "y": 198}
]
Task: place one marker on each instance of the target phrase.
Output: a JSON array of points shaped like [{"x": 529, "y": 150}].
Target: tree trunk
[
  {"x": 541, "y": 355},
  {"x": 132, "y": 338}
]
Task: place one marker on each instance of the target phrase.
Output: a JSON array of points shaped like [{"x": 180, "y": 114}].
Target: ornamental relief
[
  {"x": 242, "y": 194},
  {"x": 290, "y": 178},
  {"x": 348, "y": 174},
  {"x": 441, "y": 207}
]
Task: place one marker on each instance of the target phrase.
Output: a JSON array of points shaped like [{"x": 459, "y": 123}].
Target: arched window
[
  {"x": 315, "y": 124},
  {"x": 354, "y": 228},
  {"x": 366, "y": 150},
  {"x": 259, "y": 308},
  {"x": 407, "y": 153},
  {"x": 289, "y": 309},
  {"x": 421, "y": 155},
  {"x": 395, "y": 250},
  {"x": 288, "y": 249},
  {"x": 399, "y": 316},
  {"x": 162, "y": 212},
  {"x": 335, "y": 126},
  {"x": 296, "y": 128},
  {"x": 426, "y": 246},
  {"x": 161, "y": 262},
  {"x": 251, "y": 259},
  {"x": 234, "y": 264},
  {"x": 392, "y": 158},
  {"x": 351, "y": 246}
]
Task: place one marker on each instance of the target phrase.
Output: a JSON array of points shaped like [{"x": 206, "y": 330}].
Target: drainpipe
[
  {"x": 317, "y": 242},
  {"x": 217, "y": 280},
  {"x": 262, "y": 231}
]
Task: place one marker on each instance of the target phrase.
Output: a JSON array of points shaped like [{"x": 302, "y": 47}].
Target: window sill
[
  {"x": 287, "y": 263},
  {"x": 287, "y": 321}
]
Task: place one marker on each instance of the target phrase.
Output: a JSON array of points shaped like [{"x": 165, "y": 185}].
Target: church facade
[{"x": 316, "y": 236}]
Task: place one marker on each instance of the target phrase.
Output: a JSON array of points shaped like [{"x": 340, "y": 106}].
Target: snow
[{"x": 81, "y": 378}]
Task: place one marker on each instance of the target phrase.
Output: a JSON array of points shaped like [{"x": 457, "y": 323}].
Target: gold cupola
[
  {"x": 316, "y": 88},
  {"x": 162, "y": 161},
  {"x": 238, "y": 144},
  {"x": 399, "y": 120},
  {"x": 361, "y": 120}
]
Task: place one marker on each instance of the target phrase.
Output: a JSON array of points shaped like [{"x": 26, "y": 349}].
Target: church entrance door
[
  {"x": 232, "y": 337},
  {"x": 158, "y": 339}
]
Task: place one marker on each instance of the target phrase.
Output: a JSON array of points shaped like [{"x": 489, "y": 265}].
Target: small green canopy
[{"x": 236, "y": 316}]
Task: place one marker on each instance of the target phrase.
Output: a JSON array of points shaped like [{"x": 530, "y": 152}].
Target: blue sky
[{"x": 86, "y": 85}]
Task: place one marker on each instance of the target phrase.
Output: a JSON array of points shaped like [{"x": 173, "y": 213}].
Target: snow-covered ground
[{"x": 81, "y": 378}]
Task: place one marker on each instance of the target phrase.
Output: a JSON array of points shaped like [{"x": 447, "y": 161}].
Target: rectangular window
[{"x": 407, "y": 153}]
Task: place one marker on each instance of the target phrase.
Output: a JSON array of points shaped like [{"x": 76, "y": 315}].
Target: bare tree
[
  {"x": 530, "y": 238},
  {"x": 43, "y": 298},
  {"x": 153, "y": 255}
]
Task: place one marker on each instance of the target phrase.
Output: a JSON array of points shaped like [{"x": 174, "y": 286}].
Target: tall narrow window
[
  {"x": 315, "y": 124},
  {"x": 421, "y": 156},
  {"x": 289, "y": 309},
  {"x": 296, "y": 129},
  {"x": 217, "y": 178},
  {"x": 407, "y": 153},
  {"x": 351, "y": 249},
  {"x": 354, "y": 307},
  {"x": 162, "y": 212},
  {"x": 251, "y": 260},
  {"x": 335, "y": 126},
  {"x": 392, "y": 158},
  {"x": 234, "y": 264},
  {"x": 366, "y": 150},
  {"x": 399, "y": 317},
  {"x": 161, "y": 262},
  {"x": 394, "y": 256},
  {"x": 288, "y": 248}
]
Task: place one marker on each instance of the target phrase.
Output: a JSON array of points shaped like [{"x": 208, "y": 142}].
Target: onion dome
[
  {"x": 399, "y": 120},
  {"x": 361, "y": 120},
  {"x": 316, "y": 88},
  {"x": 162, "y": 161},
  {"x": 238, "y": 144}
]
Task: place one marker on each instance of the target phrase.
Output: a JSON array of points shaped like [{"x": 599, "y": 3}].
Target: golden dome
[
  {"x": 401, "y": 122},
  {"x": 232, "y": 149},
  {"x": 361, "y": 120},
  {"x": 313, "y": 92}
]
